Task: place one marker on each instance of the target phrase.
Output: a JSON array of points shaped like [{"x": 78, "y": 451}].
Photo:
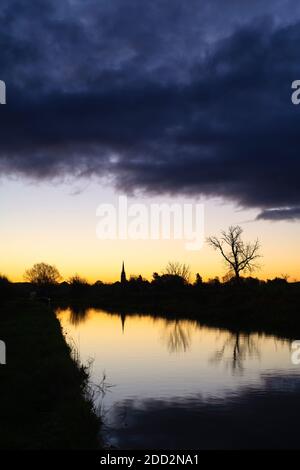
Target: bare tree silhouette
[
  {"x": 174, "y": 268},
  {"x": 238, "y": 256}
]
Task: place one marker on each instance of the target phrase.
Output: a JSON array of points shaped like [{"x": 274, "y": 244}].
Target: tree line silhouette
[
  {"x": 239, "y": 300},
  {"x": 240, "y": 258}
]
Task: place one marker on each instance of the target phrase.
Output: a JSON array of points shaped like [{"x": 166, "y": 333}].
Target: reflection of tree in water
[
  {"x": 239, "y": 347},
  {"x": 78, "y": 314},
  {"x": 177, "y": 336}
]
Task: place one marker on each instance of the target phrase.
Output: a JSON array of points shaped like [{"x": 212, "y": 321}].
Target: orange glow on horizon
[{"x": 46, "y": 223}]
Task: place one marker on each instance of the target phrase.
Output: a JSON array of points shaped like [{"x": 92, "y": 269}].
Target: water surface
[{"x": 180, "y": 385}]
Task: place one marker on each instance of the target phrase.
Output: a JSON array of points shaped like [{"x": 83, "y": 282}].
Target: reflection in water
[
  {"x": 177, "y": 335},
  {"x": 220, "y": 390},
  {"x": 123, "y": 319},
  {"x": 251, "y": 419},
  {"x": 78, "y": 314},
  {"x": 240, "y": 346}
]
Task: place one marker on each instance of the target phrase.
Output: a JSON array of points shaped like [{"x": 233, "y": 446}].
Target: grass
[{"x": 43, "y": 401}]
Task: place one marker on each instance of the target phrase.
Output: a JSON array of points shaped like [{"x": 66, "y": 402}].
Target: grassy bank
[{"x": 42, "y": 403}]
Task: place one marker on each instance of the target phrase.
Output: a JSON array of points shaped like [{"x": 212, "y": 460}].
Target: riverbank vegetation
[
  {"x": 252, "y": 307},
  {"x": 271, "y": 306},
  {"x": 43, "y": 396}
]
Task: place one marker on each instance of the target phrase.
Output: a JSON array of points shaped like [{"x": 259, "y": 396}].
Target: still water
[{"x": 179, "y": 385}]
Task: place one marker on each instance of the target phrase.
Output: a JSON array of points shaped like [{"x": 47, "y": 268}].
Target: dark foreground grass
[{"x": 42, "y": 394}]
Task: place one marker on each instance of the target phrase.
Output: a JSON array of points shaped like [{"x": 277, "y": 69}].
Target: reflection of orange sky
[
  {"x": 139, "y": 362},
  {"x": 100, "y": 334},
  {"x": 46, "y": 223}
]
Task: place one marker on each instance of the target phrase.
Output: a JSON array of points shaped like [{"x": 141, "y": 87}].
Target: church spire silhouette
[{"x": 123, "y": 274}]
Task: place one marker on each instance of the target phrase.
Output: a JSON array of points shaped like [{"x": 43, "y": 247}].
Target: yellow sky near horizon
[{"x": 47, "y": 222}]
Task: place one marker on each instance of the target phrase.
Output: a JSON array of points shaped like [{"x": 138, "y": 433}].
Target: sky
[{"x": 160, "y": 101}]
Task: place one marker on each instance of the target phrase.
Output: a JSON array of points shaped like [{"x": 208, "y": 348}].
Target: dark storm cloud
[
  {"x": 166, "y": 97},
  {"x": 280, "y": 214}
]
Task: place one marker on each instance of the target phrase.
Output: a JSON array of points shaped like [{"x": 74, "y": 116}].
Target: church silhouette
[{"x": 123, "y": 275}]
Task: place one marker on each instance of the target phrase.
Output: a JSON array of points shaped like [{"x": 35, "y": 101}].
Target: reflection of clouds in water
[
  {"x": 163, "y": 401},
  {"x": 264, "y": 417}
]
